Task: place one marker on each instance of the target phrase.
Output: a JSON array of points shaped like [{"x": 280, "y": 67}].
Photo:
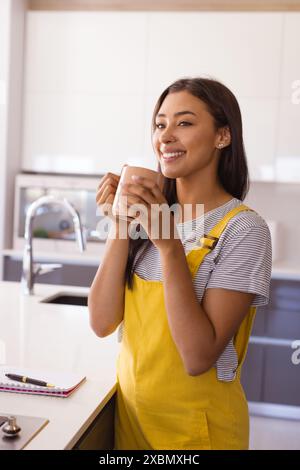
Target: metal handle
[
  {"x": 45, "y": 268},
  {"x": 266, "y": 341}
]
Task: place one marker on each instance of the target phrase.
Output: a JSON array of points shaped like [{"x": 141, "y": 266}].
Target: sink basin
[{"x": 64, "y": 298}]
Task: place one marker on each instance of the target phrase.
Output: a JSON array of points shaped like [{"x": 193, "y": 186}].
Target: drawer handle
[{"x": 271, "y": 341}]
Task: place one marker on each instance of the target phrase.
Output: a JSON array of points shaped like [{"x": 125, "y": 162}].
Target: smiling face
[{"x": 185, "y": 139}]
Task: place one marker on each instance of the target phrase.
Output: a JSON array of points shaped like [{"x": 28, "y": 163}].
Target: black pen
[{"x": 28, "y": 380}]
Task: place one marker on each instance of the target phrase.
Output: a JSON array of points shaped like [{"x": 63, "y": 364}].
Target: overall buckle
[{"x": 208, "y": 241}]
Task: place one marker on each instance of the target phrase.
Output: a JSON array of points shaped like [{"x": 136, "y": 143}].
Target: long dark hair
[{"x": 232, "y": 169}]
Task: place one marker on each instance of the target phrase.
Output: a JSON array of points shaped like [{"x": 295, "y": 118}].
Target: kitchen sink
[{"x": 64, "y": 298}]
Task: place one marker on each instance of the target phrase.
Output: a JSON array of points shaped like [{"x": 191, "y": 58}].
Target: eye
[
  {"x": 159, "y": 125},
  {"x": 186, "y": 123}
]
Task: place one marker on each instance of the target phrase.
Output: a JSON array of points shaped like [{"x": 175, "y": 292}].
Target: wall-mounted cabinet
[
  {"x": 84, "y": 85},
  {"x": 287, "y": 157},
  {"x": 241, "y": 50},
  {"x": 92, "y": 79}
]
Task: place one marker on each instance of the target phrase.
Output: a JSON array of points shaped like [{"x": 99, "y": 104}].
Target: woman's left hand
[{"x": 147, "y": 204}]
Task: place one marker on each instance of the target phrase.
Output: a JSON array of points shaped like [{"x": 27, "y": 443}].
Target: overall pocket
[{"x": 171, "y": 431}]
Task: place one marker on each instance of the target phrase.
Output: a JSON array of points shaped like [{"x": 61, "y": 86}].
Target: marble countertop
[{"x": 55, "y": 338}]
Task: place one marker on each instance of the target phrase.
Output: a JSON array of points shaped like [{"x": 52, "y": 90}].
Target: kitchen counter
[
  {"x": 57, "y": 338},
  {"x": 280, "y": 270},
  {"x": 286, "y": 271},
  {"x": 88, "y": 257}
]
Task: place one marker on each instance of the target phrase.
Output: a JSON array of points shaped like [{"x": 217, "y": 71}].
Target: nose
[{"x": 167, "y": 135}]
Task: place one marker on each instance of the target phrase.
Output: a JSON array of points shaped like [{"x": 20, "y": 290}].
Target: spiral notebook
[{"x": 64, "y": 383}]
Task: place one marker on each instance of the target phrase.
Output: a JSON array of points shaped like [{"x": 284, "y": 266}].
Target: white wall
[
  {"x": 4, "y": 47},
  {"x": 12, "y": 21}
]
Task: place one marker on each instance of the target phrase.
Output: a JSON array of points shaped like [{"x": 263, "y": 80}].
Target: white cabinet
[
  {"x": 242, "y": 50},
  {"x": 260, "y": 123},
  {"x": 84, "y": 89},
  {"x": 78, "y": 133},
  {"x": 287, "y": 157},
  {"x": 92, "y": 80}
]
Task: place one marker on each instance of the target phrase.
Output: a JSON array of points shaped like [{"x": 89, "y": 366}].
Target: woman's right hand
[
  {"x": 105, "y": 197},
  {"x": 106, "y": 193}
]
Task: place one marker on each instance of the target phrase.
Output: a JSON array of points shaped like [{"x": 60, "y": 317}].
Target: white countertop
[
  {"x": 286, "y": 271},
  {"x": 57, "y": 338}
]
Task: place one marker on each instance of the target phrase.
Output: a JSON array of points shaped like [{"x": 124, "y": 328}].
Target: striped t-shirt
[{"x": 241, "y": 260}]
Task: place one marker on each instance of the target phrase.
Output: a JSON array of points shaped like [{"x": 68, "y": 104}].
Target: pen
[{"x": 24, "y": 379}]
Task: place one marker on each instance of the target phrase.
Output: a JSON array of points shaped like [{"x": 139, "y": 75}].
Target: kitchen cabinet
[
  {"x": 252, "y": 373},
  {"x": 282, "y": 377},
  {"x": 269, "y": 374},
  {"x": 287, "y": 156},
  {"x": 68, "y": 275},
  {"x": 207, "y": 44},
  {"x": 83, "y": 91},
  {"x": 232, "y": 48},
  {"x": 88, "y": 107},
  {"x": 100, "y": 434}
]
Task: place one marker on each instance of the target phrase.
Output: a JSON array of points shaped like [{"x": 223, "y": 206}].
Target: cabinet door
[
  {"x": 67, "y": 275},
  {"x": 283, "y": 312},
  {"x": 100, "y": 434},
  {"x": 84, "y": 91},
  {"x": 287, "y": 163},
  {"x": 252, "y": 372},
  {"x": 240, "y": 49},
  {"x": 269, "y": 373},
  {"x": 281, "y": 376},
  {"x": 259, "y": 325}
]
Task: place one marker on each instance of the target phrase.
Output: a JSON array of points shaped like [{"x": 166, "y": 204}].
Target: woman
[{"x": 188, "y": 303}]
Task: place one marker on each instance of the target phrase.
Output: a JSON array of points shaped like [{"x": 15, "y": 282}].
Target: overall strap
[
  {"x": 209, "y": 241},
  {"x": 195, "y": 258}
]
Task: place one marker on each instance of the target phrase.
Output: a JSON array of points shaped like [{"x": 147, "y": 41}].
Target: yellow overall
[{"x": 160, "y": 406}]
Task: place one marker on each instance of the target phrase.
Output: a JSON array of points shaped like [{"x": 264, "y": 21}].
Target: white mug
[{"x": 119, "y": 208}]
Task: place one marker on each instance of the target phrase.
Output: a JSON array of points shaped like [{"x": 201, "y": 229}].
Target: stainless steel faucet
[{"x": 30, "y": 269}]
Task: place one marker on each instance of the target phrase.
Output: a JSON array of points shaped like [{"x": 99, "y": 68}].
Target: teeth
[{"x": 173, "y": 154}]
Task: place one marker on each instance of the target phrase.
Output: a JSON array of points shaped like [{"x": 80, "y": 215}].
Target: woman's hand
[
  {"x": 147, "y": 204},
  {"x": 106, "y": 192},
  {"x": 105, "y": 196}
]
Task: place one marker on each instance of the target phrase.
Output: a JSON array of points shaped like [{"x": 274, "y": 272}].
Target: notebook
[{"x": 64, "y": 383}]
